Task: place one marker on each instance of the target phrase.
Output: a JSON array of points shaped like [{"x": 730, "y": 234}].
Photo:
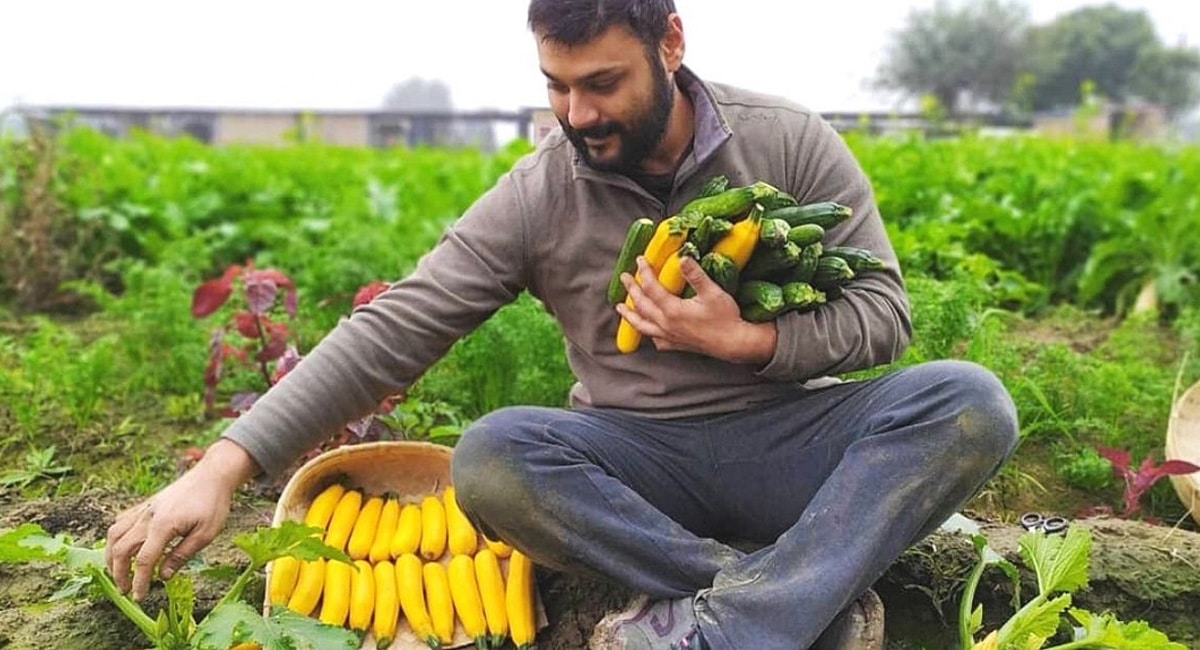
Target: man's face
[{"x": 612, "y": 97}]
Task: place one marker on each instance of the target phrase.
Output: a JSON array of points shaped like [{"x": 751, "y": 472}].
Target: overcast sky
[{"x": 346, "y": 54}]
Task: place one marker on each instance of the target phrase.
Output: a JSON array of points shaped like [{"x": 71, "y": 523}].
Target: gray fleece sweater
[{"x": 553, "y": 226}]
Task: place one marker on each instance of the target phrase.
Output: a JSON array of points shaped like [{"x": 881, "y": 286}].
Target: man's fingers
[
  {"x": 187, "y": 548},
  {"x": 157, "y": 538},
  {"x": 696, "y": 276},
  {"x": 125, "y": 538}
]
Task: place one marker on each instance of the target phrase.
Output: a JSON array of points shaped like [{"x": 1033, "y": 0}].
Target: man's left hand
[{"x": 707, "y": 323}]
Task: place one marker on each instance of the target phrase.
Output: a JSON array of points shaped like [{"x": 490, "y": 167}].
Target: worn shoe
[{"x": 650, "y": 625}]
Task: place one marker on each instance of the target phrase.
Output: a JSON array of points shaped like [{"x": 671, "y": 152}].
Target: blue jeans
[{"x": 831, "y": 484}]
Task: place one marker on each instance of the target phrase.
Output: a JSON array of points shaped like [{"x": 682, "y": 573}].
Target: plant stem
[
  {"x": 129, "y": 608},
  {"x": 262, "y": 337},
  {"x": 239, "y": 585},
  {"x": 968, "y": 597}
]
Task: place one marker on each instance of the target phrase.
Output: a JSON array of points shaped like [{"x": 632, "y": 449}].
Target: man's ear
[{"x": 673, "y": 45}]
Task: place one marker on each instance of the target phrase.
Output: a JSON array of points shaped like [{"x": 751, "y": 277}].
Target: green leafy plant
[
  {"x": 39, "y": 464},
  {"x": 1060, "y": 564},
  {"x": 231, "y": 620}
]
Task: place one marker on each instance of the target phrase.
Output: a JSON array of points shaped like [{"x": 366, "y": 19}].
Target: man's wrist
[
  {"x": 229, "y": 462},
  {"x": 756, "y": 344}
]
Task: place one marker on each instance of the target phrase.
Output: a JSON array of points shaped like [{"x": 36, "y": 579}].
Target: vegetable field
[{"x": 1068, "y": 267}]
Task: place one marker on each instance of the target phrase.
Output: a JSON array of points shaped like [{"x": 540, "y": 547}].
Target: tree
[
  {"x": 969, "y": 55},
  {"x": 418, "y": 94},
  {"x": 1169, "y": 76},
  {"x": 1118, "y": 51}
]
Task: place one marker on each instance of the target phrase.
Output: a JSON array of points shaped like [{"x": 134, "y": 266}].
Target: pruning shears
[{"x": 1036, "y": 521}]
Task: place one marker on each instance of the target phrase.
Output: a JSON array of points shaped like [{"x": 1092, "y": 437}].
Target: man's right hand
[{"x": 178, "y": 521}]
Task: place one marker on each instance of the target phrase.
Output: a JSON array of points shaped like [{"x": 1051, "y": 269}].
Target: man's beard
[{"x": 636, "y": 140}]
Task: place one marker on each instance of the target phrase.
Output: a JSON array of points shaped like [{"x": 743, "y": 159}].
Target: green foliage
[
  {"x": 1085, "y": 469},
  {"x": 230, "y": 621},
  {"x": 1060, "y": 565}
]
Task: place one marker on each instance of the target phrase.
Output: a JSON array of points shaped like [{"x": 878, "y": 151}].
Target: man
[{"x": 716, "y": 431}]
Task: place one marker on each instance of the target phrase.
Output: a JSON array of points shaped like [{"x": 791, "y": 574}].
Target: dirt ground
[{"x": 1147, "y": 571}]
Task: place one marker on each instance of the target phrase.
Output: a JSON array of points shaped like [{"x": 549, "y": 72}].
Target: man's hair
[{"x": 575, "y": 22}]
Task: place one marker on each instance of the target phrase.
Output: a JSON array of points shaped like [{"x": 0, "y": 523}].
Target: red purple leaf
[
  {"x": 1176, "y": 467},
  {"x": 290, "y": 359},
  {"x": 277, "y": 335},
  {"x": 260, "y": 294},
  {"x": 1119, "y": 458},
  {"x": 247, "y": 324},
  {"x": 239, "y": 403},
  {"x": 209, "y": 297},
  {"x": 291, "y": 298},
  {"x": 368, "y": 293}
]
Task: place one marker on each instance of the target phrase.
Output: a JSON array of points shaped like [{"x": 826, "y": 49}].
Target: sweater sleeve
[
  {"x": 478, "y": 266},
  {"x": 871, "y": 324}
]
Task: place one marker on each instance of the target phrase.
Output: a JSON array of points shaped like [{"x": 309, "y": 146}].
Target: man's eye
[
  {"x": 608, "y": 85},
  {"x": 555, "y": 87}
]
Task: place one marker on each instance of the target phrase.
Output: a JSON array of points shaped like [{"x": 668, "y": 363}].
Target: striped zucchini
[
  {"x": 858, "y": 259},
  {"x": 826, "y": 214},
  {"x": 636, "y": 238},
  {"x": 805, "y": 234}
]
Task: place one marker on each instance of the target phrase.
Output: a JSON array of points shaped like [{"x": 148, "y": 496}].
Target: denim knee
[
  {"x": 984, "y": 412},
  {"x": 490, "y": 474}
]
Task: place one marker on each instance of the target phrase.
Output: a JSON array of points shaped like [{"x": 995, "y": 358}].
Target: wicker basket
[
  {"x": 412, "y": 470},
  {"x": 1183, "y": 443}
]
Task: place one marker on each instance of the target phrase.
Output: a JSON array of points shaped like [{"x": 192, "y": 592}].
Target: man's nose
[{"x": 581, "y": 113}]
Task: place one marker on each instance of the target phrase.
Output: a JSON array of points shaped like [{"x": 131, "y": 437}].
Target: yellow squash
[
  {"x": 519, "y": 601},
  {"x": 342, "y": 522},
  {"x": 738, "y": 245},
  {"x": 387, "y": 604},
  {"x": 362, "y": 536},
  {"x": 285, "y": 571},
  {"x": 464, "y": 590},
  {"x": 381, "y": 547},
  {"x": 462, "y": 535},
  {"x": 433, "y": 528},
  {"x": 335, "y": 598},
  {"x": 668, "y": 238},
  {"x": 407, "y": 538},
  {"x": 491, "y": 592},
  {"x": 411, "y": 585},
  {"x": 308, "y": 587},
  {"x": 439, "y": 600},
  {"x": 362, "y": 596},
  {"x": 321, "y": 508},
  {"x": 501, "y": 549}
]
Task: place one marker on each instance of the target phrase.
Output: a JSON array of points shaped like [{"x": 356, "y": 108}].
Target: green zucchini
[
  {"x": 805, "y": 234},
  {"x": 832, "y": 272},
  {"x": 721, "y": 269},
  {"x": 806, "y": 267},
  {"x": 730, "y": 203},
  {"x": 826, "y": 214},
  {"x": 759, "y": 300},
  {"x": 773, "y": 232},
  {"x": 858, "y": 259},
  {"x": 767, "y": 262},
  {"x": 780, "y": 199},
  {"x": 714, "y": 186},
  {"x": 801, "y": 296},
  {"x": 636, "y": 238}
]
